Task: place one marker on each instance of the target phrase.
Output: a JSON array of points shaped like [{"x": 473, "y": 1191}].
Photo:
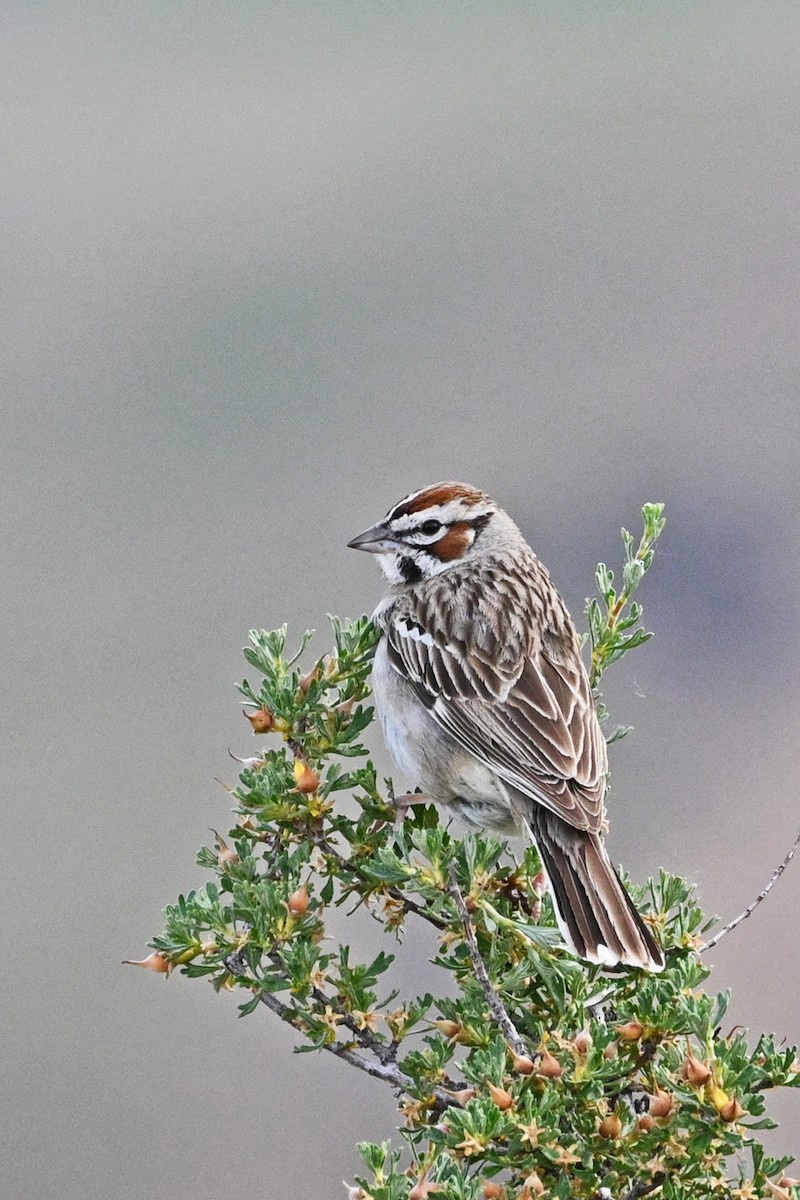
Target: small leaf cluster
[
  {"x": 614, "y": 621},
  {"x": 614, "y": 1085}
]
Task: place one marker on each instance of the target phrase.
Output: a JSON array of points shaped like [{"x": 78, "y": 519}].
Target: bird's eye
[{"x": 430, "y": 527}]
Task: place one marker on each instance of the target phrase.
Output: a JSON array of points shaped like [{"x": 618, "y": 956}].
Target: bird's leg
[{"x": 405, "y": 802}]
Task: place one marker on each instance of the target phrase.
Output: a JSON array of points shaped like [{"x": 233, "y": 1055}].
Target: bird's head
[{"x": 432, "y": 530}]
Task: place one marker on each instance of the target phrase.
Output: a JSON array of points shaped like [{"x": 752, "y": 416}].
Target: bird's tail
[{"x": 595, "y": 913}]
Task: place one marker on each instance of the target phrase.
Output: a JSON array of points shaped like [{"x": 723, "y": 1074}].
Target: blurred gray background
[{"x": 268, "y": 267}]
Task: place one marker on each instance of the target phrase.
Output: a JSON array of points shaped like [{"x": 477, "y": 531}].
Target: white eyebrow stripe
[{"x": 448, "y": 513}]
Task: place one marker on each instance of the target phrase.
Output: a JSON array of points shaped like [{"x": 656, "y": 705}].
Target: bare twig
[
  {"x": 499, "y": 1013},
  {"x": 776, "y": 874},
  {"x": 388, "y": 1071}
]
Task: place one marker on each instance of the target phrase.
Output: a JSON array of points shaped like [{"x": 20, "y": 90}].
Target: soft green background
[{"x": 267, "y": 268}]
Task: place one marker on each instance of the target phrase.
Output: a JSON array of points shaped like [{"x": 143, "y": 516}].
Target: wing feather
[{"x": 503, "y": 675}]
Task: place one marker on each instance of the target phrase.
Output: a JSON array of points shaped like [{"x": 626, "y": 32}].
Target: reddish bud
[
  {"x": 610, "y": 1126},
  {"x": 632, "y": 1031},
  {"x": 299, "y": 900},
  {"x": 523, "y": 1065},
  {"x": 501, "y": 1097},
  {"x": 262, "y": 720},
  {"x": 493, "y": 1191},
  {"x": 305, "y": 777},
  {"x": 661, "y": 1104},
  {"x": 646, "y": 1123},
  {"x": 548, "y": 1066},
  {"x": 732, "y": 1111},
  {"x": 154, "y": 962},
  {"x": 695, "y": 1072}
]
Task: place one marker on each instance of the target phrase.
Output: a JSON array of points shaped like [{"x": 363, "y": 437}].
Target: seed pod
[
  {"x": 548, "y": 1066},
  {"x": 583, "y": 1043},
  {"x": 501, "y": 1097},
  {"x": 610, "y": 1126},
  {"x": 299, "y": 900},
  {"x": 731, "y": 1111},
  {"x": 523, "y": 1065},
  {"x": 154, "y": 962},
  {"x": 450, "y": 1029},
  {"x": 661, "y": 1104},
  {"x": 646, "y": 1123},
  {"x": 533, "y": 1185},
  {"x": 632, "y": 1031},
  {"x": 493, "y": 1191},
  {"x": 226, "y": 855},
  {"x": 262, "y": 720},
  {"x": 695, "y": 1072},
  {"x": 306, "y": 778}
]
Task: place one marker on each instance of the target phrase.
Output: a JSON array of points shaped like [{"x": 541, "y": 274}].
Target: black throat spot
[{"x": 410, "y": 571}]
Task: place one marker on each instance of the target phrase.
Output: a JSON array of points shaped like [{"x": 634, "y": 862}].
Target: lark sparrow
[{"x": 485, "y": 702}]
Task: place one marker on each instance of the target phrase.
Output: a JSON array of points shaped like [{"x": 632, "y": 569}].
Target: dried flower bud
[
  {"x": 305, "y": 777},
  {"x": 355, "y": 1193},
  {"x": 732, "y": 1111},
  {"x": 154, "y": 962},
  {"x": 533, "y": 1186},
  {"x": 539, "y": 884},
  {"x": 262, "y": 720},
  {"x": 646, "y": 1123},
  {"x": 307, "y": 680},
  {"x": 463, "y": 1096},
  {"x": 501, "y": 1097},
  {"x": 610, "y": 1126},
  {"x": 632, "y": 1031},
  {"x": 717, "y": 1095},
  {"x": 226, "y": 855},
  {"x": 778, "y": 1191},
  {"x": 583, "y": 1043},
  {"x": 611, "y": 1051},
  {"x": 450, "y": 1029},
  {"x": 299, "y": 900},
  {"x": 523, "y": 1065},
  {"x": 695, "y": 1072},
  {"x": 787, "y": 1182},
  {"x": 661, "y": 1104},
  {"x": 548, "y": 1066},
  {"x": 493, "y": 1191}
]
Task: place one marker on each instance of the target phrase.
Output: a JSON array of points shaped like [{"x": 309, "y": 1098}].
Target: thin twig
[
  {"x": 502, "y": 1018},
  {"x": 347, "y": 864},
  {"x": 776, "y": 874},
  {"x": 387, "y": 1071}
]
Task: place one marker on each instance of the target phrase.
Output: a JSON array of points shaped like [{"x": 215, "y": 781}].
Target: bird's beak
[{"x": 377, "y": 540}]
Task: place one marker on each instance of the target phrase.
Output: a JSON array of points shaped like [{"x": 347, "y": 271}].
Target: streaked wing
[{"x": 517, "y": 699}]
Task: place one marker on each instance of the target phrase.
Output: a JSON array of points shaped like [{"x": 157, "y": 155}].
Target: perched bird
[{"x": 485, "y": 702}]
